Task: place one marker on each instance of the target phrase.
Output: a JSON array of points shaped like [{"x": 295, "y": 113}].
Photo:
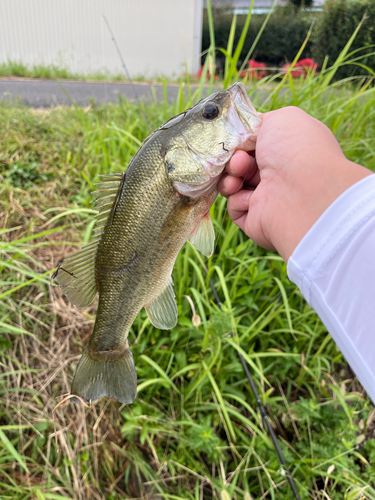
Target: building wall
[{"x": 156, "y": 37}]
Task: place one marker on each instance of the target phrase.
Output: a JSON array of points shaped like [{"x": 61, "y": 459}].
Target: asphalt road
[{"x": 48, "y": 93}]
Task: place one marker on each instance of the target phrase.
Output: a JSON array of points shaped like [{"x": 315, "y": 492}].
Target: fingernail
[{"x": 246, "y": 196}]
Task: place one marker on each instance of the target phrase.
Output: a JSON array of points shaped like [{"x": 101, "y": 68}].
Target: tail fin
[{"x": 105, "y": 375}]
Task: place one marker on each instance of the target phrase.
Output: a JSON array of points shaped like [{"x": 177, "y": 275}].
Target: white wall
[{"x": 156, "y": 37}]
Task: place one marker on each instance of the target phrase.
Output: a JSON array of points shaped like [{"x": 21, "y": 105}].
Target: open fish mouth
[
  {"x": 245, "y": 109},
  {"x": 242, "y": 119}
]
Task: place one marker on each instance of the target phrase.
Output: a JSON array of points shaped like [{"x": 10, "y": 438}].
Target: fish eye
[{"x": 210, "y": 111}]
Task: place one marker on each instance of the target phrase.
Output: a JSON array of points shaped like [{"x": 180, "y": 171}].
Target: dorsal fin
[
  {"x": 107, "y": 195},
  {"x": 76, "y": 275}
]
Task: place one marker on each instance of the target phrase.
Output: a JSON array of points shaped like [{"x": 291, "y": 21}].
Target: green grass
[
  {"x": 18, "y": 69},
  {"x": 13, "y": 68},
  {"x": 194, "y": 431}
]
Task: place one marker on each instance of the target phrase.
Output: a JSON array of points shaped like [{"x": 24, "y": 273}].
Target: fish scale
[{"x": 145, "y": 217}]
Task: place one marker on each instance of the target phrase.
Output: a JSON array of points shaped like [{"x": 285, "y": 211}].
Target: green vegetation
[
  {"x": 51, "y": 71},
  {"x": 299, "y": 4},
  {"x": 336, "y": 26},
  {"x": 287, "y": 28},
  {"x": 19, "y": 69},
  {"x": 194, "y": 432},
  {"x": 274, "y": 39},
  {"x": 281, "y": 39},
  {"x": 194, "y": 427}
]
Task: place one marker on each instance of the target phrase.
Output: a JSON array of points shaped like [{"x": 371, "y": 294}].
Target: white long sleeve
[{"x": 334, "y": 267}]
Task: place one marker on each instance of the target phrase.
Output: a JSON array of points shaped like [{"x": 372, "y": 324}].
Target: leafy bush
[
  {"x": 336, "y": 26},
  {"x": 299, "y": 4},
  {"x": 286, "y": 31},
  {"x": 281, "y": 39}
]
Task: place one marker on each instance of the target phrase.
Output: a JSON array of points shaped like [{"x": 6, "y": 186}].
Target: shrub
[
  {"x": 336, "y": 26},
  {"x": 255, "y": 70},
  {"x": 302, "y": 68},
  {"x": 299, "y": 4},
  {"x": 281, "y": 39}
]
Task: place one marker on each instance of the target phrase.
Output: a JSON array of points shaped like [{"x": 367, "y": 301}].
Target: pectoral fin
[
  {"x": 162, "y": 311},
  {"x": 203, "y": 237}
]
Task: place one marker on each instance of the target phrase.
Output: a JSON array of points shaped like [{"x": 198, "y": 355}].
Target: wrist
[{"x": 303, "y": 207}]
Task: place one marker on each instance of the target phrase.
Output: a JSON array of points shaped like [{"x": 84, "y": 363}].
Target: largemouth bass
[{"x": 146, "y": 214}]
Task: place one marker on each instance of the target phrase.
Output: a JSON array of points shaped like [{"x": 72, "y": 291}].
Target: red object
[
  {"x": 302, "y": 68},
  {"x": 199, "y": 74},
  {"x": 256, "y": 70}
]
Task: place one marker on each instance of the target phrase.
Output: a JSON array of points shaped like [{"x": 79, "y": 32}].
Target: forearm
[{"x": 334, "y": 267}]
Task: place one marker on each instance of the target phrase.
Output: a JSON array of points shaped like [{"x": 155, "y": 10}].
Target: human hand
[{"x": 299, "y": 169}]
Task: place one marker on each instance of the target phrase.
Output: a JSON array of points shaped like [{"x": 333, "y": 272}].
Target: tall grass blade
[
  {"x": 259, "y": 34},
  {"x": 330, "y": 73},
  {"x": 4, "y": 441},
  {"x": 229, "y": 50},
  {"x": 232, "y": 71}
]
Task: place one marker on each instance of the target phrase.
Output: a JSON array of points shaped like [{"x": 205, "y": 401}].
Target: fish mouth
[
  {"x": 243, "y": 122},
  {"x": 249, "y": 118}
]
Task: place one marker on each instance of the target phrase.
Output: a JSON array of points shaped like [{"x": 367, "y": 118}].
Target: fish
[{"x": 145, "y": 215}]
